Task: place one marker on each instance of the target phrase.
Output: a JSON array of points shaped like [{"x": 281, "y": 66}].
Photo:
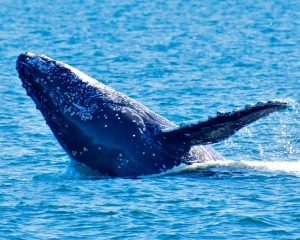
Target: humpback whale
[{"x": 114, "y": 134}]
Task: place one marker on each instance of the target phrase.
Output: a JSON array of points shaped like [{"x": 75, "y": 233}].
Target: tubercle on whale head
[
  {"x": 44, "y": 70},
  {"x": 56, "y": 86}
]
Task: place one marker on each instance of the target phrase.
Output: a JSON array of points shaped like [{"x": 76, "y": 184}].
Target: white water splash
[{"x": 243, "y": 165}]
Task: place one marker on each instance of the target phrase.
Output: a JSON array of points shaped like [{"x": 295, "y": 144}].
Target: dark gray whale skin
[{"x": 115, "y": 135}]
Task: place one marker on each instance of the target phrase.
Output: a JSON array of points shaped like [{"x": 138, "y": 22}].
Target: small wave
[{"x": 249, "y": 221}]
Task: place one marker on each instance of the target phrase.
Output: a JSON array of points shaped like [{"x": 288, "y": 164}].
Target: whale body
[{"x": 114, "y": 134}]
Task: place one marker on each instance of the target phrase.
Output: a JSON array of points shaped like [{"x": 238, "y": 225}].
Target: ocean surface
[{"x": 184, "y": 60}]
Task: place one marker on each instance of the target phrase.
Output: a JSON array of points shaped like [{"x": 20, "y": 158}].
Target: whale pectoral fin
[{"x": 218, "y": 128}]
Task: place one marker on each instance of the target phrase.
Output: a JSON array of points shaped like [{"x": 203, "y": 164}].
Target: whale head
[{"x": 61, "y": 92}]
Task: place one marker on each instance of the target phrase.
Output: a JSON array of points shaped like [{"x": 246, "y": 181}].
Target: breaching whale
[{"x": 115, "y": 135}]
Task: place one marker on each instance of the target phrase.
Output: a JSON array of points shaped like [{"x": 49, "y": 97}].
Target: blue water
[{"x": 184, "y": 60}]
